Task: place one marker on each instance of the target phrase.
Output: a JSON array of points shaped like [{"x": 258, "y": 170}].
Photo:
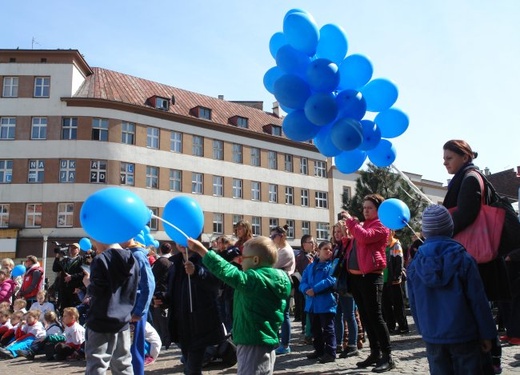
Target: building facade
[{"x": 68, "y": 130}]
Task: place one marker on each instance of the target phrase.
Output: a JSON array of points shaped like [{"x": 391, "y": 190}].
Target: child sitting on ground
[
  {"x": 9, "y": 335},
  {"x": 317, "y": 285},
  {"x": 42, "y": 304},
  {"x": 5, "y": 306},
  {"x": 4, "y": 321},
  {"x": 30, "y": 330},
  {"x": 74, "y": 333},
  {"x": 53, "y": 335},
  {"x": 259, "y": 288},
  {"x": 20, "y": 304}
]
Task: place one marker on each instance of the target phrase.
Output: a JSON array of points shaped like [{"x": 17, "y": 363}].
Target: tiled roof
[
  {"x": 506, "y": 183},
  {"x": 118, "y": 87}
]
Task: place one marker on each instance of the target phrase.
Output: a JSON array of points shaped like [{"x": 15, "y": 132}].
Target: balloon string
[
  {"x": 412, "y": 185},
  {"x": 418, "y": 235},
  {"x": 187, "y": 237}
]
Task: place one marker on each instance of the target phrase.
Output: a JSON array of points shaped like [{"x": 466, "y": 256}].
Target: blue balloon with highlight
[
  {"x": 186, "y": 215},
  {"x": 383, "y": 155},
  {"x": 394, "y": 213},
  {"x": 18, "y": 270},
  {"x": 392, "y": 122},
  {"x": 296, "y": 126},
  {"x": 350, "y": 161}
]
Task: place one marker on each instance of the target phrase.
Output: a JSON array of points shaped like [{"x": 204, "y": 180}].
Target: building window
[
  {"x": 237, "y": 153},
  {"x": 272, "y": 158},
  {"x": 69, "y": 128},
  {"x": 273, "y": 193},
  {"x": 321, "y": 199},
  {"x": 255, "y": 157},
  {"x": 218, "y": 223},
  {"x": 304, "y": 166},
  {"x": 6, "y": 171},
  {"x": 154, "y": 222},
  {"x": 152, "y": 177},
  {"x": 276, "y": 130},
  {"x": 98, "y": 171},
  {"x": 218, "y": 150},
  {"x": 42, "y": 87},
  {"x": 33, "y": 215},
  {"x": 304, "y": 198},
  {"x": 273, "y": 223},
  {"x": 320, "y": 169},
  {"x": 176, "y": 142},
  {"x": 256, "y": 225},
  {"x": 218, "y": 186},
  {"x": 288, "y": 163},
  {"x": 289, "y": 195},
  {"x": 10, "y": 89},
  {"x": 7, "y": 126},
  {"x": 322, "y": 231},
  {"x": 255, "y": 190},
  {"x": 36, "y": 171},
  {"x": 306, "y": 228},
  {"x": 65, "y": 215},
  {"x": 100, "y": 129},
  {"x": 197, "y": 183},
  {"x": 39, "y": 128},
  {"x": 290, "y": 228},
  {"x": 127, "y": 174},
  {"x": 205, "y": 113},
  {"x": 237, "y": 188},
  {"x": 67, "y": 170},
  {"x": 4, "y": 215},
  {"x": 128, "y": 133},
  {"x": 175, "y": 180},
  {"x": 347, "y": 193},
  {"x": 236, "y": 219},
  {"x": 242, "y": 122},
  {"x": 152, "y": 138},
  {"x": 198, "y": 146}
]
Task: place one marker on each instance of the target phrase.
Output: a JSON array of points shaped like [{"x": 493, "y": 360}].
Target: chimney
[
  {"x": 518, "y": 171},
  {"x": 276, "y": 109},
  {"x": 221, "y": 97},
  {"x": 486, "y": 171}
]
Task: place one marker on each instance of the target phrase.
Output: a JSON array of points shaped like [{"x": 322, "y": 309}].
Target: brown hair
[
  {"x": 461, "y": 148},
  {"x": 50, "y": 317},
  {"x": 264, "y": 248},
  {"x": 247, "y": 228},
  {"x": 32, "y": 258},
  {"x": 374, "y": 198}
]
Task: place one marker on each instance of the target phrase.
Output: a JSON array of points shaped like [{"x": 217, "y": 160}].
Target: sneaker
[
  {"x": 6, "y": 354},
  {"x": 350, "y": 351},
  {"x": 327, "y": 358},
  {"x": 25, "y": 353},
  {"x": 514, "y": 341},
  {"x": 281, "y": 350},
  {"x": 314, "y": 355},
  {"x": 372, "y": 359},
  {"x": 148, "y": 360}
]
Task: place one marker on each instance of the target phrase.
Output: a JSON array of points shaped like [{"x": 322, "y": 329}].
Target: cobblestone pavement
[{"x": 408, "y": 351}]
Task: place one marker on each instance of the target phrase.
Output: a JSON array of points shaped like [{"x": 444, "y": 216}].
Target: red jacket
[
  {"x": 26, "y": 291},
  {"x": 371, "y": 238}
]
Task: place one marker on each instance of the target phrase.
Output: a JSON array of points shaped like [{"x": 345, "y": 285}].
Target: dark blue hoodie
[
  {"x": 114, "y": 276},
  {"x": 446, "y": 294}
]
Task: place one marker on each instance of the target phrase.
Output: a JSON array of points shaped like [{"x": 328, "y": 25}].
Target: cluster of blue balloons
[
  {"x": 115, "y": 215},
  {"x": 327, "y": 95}
]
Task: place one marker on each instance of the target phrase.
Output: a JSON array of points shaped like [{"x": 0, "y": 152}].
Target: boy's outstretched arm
[{"x": 197, "y": 247}]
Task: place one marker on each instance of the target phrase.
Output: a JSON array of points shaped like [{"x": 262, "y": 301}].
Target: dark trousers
[
  {"x": 393, "y": 306},
  {"x": 323, "y": 333},
  {"x": 193, "y": 360},
  {"x": 368, "y": 291}
]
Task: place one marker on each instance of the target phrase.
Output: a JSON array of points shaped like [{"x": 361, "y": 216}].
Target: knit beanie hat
[{"x": 437, "y": 221}]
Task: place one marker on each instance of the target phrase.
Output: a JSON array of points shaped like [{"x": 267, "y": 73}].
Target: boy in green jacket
[{"x": 259, "y": 301}]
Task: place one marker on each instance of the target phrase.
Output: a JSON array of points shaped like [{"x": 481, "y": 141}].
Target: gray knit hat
[{"x": 437, "y": 221}]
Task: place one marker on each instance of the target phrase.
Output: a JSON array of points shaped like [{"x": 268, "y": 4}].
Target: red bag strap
[{"x": 480, "y": 181}]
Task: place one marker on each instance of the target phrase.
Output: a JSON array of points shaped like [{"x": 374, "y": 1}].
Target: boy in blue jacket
[
  {"x": 447, "y": 299},
  {"x": 320, "y": 303}
]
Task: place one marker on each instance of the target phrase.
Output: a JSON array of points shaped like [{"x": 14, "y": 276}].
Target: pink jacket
[
  {"x": 371, "y": 238},
  {"x": 7, "y": 290}
]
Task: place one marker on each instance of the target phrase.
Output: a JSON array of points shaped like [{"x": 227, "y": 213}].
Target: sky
[{"x": 456, "y": 64}]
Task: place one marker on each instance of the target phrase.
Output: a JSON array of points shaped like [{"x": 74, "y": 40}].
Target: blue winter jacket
[
  {"x": 446, "y": 294},
  {"x": 318, "y": 276},
  {"x": 146, "y": 282}
]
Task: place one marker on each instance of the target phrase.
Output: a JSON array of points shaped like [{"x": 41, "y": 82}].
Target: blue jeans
[
  {"x": 454, "y": 359},
  {"x": 346, "y": 311},
  {"x": 285, "y": 335}
]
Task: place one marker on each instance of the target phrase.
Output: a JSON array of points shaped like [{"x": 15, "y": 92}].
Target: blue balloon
[
  {"x": 286, "y": 109},
  {"x": 297, "y": 10},
  {"x": 301, "y": 32},
  {"x": 113, "y": 215},
  {"x": 383, "y": 154},
  {"x": 380, "y": 94},
  {"x": 297, "y": 127},
  {"x": 394, "y": 213},
  {"x": 184, "y": 213},
  {"x": 18, "y": 270},
  {"x": 292, "y": 61},
  {"x": 146, "y": 229},
  {"x": 371, "y": 135},
  {"x": 276, "y": 41},
  {"x": 85, "y": 244},
  {"x": 322, "y": 75},
  {"x": 333, "y": 43},
  {"x": 291, "y": 91},
  {"x": 140, "y": 238},
  {"x": 392, "y": 122},
  {"x": 323, "y": 142},
  {"x": 350, "y": 161},
  {"x": 148, "y": 239},
  {"x": 351, "y": 104},
  {"x": 321, "y": 108},
  {"x": 270, "y": 78},
  {"x": 346, "y": 134},
  {"x": 156, "y": 244},
  {"x": 355, "y": 71}
]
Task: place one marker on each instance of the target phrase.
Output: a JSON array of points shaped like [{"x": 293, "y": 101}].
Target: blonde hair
[
  {"x": 50, "y": 317},
  {"x": 17, "y": 314},
  {"x": 34, "y": 313},
  {"x": 264, "y": 248},
  {"x": 20, "y": 303},
  {"x": 72, "y": 311},
  {"x": 42, "y": 292}
]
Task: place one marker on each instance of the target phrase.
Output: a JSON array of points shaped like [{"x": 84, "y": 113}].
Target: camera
[{"x": 61, "y": 249}]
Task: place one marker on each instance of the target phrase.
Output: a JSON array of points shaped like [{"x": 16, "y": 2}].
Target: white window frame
[
  {"x": 304, "y": 166},
  {"x": 290, "y": 228},
  {"x": 256, "y": 157},
  {"x": 242, "y": 122},
  {"x": 176, "y": 142},
  {"x": 256, "y": 187},
  {"x": 153, "y": 224},
  {"x": 100, "y": 129},
  {"x": 33, "y": 215},
  {"x": 65, "y": 217},
  {"x": 273, "y": 223},
  {"x": 36, "y": 172},
  {"x": 42, "y": 87},
  {"x": 127, "y": 174},
  {"x": 198, "y": 146},
  {"x": 321, "y": 199},
  {"x": 152, "y": 177},
  {"x": 205, "y": 113},
  {"x": 7, "y": 127},
  {"x": 67, "y": 171},
  {"x": 273, "y": 193},
  {"x": 238, "y": 154},
  {"x": 175, "y": 180},
  {"x": 218, "y": 223},
  {"x": 6, "y": 171},
  {"x": 127, "y": 133},
  {"x": 322, "y": 231},
  {"x": 152, "y": 137},
  {"x": 218, "y": 149},
  {"x": 304, "y": 198},
  {"x": 10, "y": 87},
  {"x": 288, "y": 163},
  {"x": 39, "y": 128},
  {"x": 306, "y": 228},
  {"x": 236, "y": 219},
  {"x": 218, "y": 186},
  {"x": 237, "y": 188},
  {"x": 289, "y": 195},
  {"x": 256, "y": 225},
  {"x": 272, "y": 160},
  {"x": 69, "y": 128},
  {"x": 4, "y": 215},
  {"x": 197, "y": 183},
  {"x": 98, "y": 171},
  {"x": 320, "y": 168}
]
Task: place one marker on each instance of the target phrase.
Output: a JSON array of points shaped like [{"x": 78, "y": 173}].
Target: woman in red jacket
[{"x": 366, "y": 261}]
